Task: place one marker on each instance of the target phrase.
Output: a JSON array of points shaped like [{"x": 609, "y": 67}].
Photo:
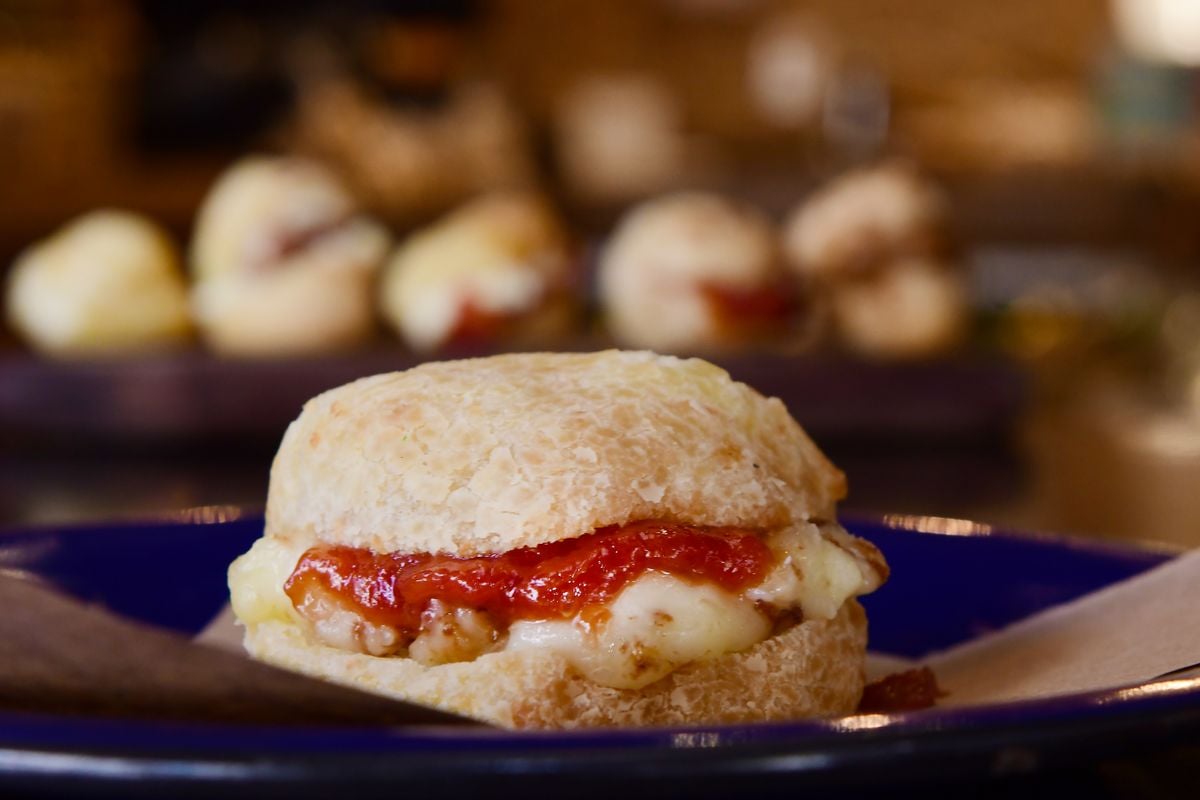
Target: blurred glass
[
  {"x": 620, "y": 137},
  {"x": 790, "y": 64},
  {"x": 857, "y": 113}
]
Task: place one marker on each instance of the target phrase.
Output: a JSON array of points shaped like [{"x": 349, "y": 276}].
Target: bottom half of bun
[{"x": 815, "y": 668}]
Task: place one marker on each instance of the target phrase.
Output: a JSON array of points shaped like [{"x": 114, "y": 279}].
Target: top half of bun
[{"x": 486, "y": 455}]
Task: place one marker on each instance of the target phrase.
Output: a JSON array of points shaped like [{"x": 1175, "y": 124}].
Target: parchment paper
[{"x": 1128, "y": 633}]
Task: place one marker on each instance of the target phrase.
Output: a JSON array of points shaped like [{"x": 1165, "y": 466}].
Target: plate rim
[{"x": 801, "y": 748}]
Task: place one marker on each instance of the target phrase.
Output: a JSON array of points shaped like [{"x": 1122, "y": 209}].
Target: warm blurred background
[{"x": 960, "y": 239}]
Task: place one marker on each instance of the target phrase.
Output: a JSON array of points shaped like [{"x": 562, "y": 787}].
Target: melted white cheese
[
  {"x": 257, "y": 578},
  {"x": 812, "y": 573},
  {"x": 655, "y": 625}
]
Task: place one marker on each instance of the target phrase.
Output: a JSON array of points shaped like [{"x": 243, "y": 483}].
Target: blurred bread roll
[
  {"x": 693, "y": 271},
  {"x": 861, "y": 217},
  {"x": 914, "y": 308},
  {"x": 108, "y": 282},
  {"x": 873, "y": 245},
  {"x": 284, "y": 265},
  {"x": 498, "y": 269},
  {"x": 409, "y": 163}
]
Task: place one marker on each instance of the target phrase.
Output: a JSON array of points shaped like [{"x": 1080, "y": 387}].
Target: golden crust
[
  {"x": 812, "y": 669},
  {"x": 487, "y": 455}
]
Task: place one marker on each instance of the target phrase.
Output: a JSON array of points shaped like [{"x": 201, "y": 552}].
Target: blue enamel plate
[{"x": 951, "y": 581}]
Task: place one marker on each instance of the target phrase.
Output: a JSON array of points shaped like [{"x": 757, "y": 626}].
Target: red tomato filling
[{"x": 553, "y": 580}]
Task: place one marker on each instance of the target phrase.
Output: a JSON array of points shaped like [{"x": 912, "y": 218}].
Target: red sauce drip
[
  {"x": 911, "y": 690},
  {"x": 477, "y": 326},
  {"x": 771, "y": 303},
  {"x": 553, "y": 580}
]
